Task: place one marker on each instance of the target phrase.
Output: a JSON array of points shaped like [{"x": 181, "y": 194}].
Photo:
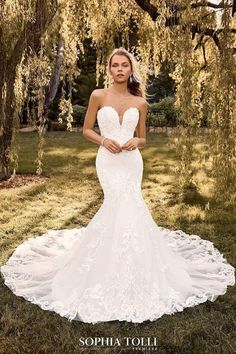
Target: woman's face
[{"x": 120, "y": 68}]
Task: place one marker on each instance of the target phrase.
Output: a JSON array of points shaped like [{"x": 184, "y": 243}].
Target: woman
[{"x": 122, "y": 265}]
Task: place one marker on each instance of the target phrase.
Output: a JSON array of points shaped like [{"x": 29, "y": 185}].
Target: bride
[{"x": 122, "y": 265}]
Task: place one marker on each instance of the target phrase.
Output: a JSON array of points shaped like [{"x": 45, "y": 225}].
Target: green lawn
[{"x": 69, "y": 198}]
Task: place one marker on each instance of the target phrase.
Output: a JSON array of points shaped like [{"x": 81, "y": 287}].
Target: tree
[
  {"x": 184, "y": 33},
  {"x": 14, "y": 49}
]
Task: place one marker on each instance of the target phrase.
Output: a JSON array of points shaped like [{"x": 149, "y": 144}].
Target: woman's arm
[
  {"x": 90, "y": 118},
  {"x": 141, "y": 127}
]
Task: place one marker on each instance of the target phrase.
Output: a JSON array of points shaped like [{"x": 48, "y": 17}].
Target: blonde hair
[{"x": 135, "y": 82}]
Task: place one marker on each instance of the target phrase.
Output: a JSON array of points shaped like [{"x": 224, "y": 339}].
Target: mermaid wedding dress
[{"x": 122, "y": 265}]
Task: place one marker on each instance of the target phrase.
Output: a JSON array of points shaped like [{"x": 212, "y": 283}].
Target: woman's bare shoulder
[
  {"x": 97, "y": 97},
  {"x": 141, "y": 102},
  {"x": 98, "y": 92}
]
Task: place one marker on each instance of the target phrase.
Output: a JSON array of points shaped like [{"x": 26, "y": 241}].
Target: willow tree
[
  {"x": 22, "y": 25},
  {"x": 184, "y": 32}
]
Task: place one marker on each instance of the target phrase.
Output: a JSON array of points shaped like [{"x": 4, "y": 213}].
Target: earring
[{"x": 131, "y": 79}]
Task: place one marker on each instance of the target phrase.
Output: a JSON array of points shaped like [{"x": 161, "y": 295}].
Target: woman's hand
[
  {"x": 112, "y": 145},
  {"x": 131, "y": 144}
]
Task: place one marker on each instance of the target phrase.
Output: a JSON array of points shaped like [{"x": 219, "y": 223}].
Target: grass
[{"x": 68, "y": 199}]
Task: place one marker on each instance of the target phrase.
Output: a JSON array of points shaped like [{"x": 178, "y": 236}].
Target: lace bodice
[{"x": 110, "y": 126}]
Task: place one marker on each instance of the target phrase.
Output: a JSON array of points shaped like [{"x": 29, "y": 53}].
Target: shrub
[
  {"x": 78, "y": 114},
  {"x": 56, "y": 126},
  {"x": 163, "y": 113}
]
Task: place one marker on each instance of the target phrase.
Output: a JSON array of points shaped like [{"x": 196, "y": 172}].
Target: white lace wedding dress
[{"x": 122, "y": 265}]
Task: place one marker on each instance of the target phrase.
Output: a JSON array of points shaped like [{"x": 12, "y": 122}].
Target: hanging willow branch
[
  {"x": 51, "y": 90},
  {"x": 28, "y": 41}
]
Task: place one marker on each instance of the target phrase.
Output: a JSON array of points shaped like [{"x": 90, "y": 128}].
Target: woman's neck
[{"x": 120, "y": 89}]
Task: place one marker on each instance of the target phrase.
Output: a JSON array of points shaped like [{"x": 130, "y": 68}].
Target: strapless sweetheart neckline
[{"x": 120, "y": 122}]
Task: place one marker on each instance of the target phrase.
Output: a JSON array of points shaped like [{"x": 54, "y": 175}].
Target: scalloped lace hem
[{"x": 99, "y": 304}]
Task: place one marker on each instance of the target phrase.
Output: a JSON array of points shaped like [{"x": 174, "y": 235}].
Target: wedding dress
[{"x": 122, "y": 265}]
